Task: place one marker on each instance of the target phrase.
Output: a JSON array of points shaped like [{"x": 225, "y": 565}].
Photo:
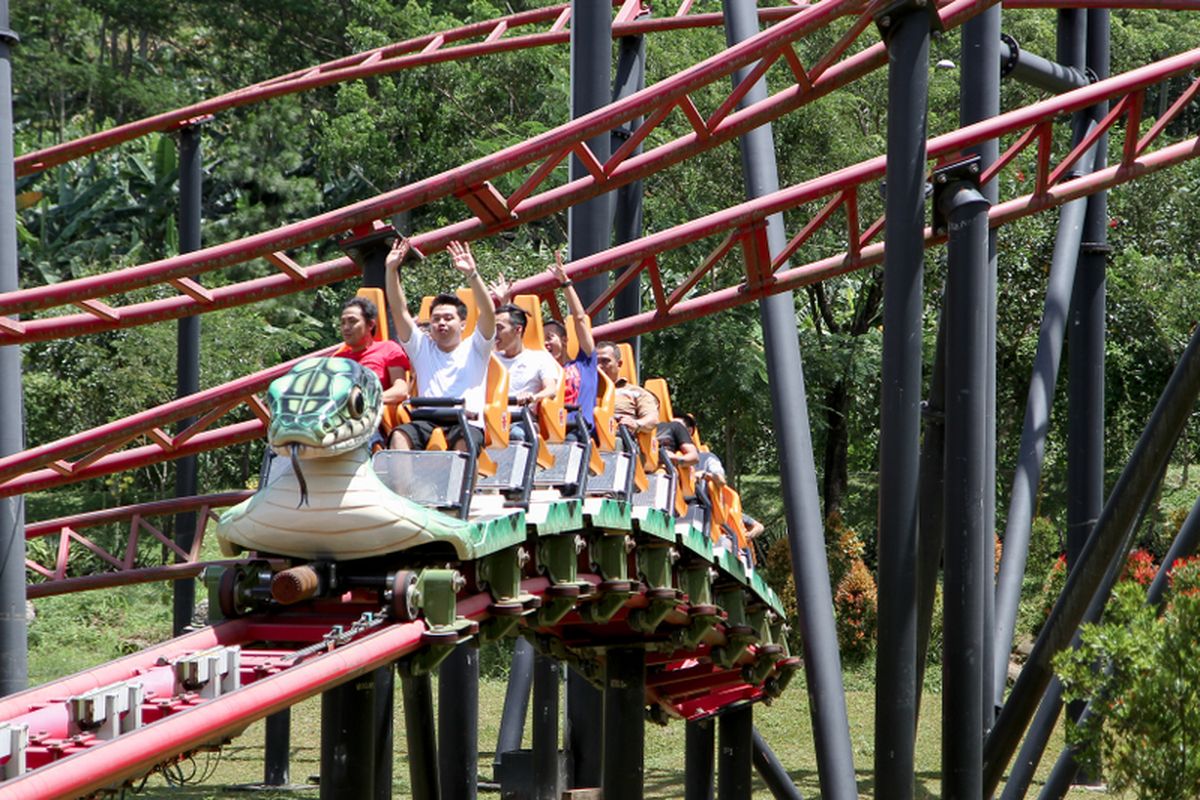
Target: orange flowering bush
[{"x": 856, "y": 605}]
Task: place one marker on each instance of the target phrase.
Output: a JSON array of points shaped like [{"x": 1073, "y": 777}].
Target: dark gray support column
[
  {"x": 1085, "y": 353},
  {"x": 585, "y": 744},
  {"x": 382, "y": 717},
  {"x": 624, "y": 722},
  {"x": 965, "y": 210},
  {"x": 980, "y": 100},
  {"x": 772, "y": 772},
  {"x": 907, "y": 33},
  {"x": 546, "y": 683},
  {"x": 348, "y": 740},
  {"x": 1034, "y": 744},
  {"x": 187, "y": 360},
  {"x": 458, "y": 723},
  {"x": 589, "y": 231},
  {"x": 1023, "y": 66},
  {"x": 734, "y": 760},
  {"x": 931, "y": 534},
  {"x": 698, "y": 760},
  {"x": 276, "y": 749},
  {"x": 1038, "y": 403},
  {"x": 590, "y": 223},
  {"x": 417, "y": 692},
  {"x": 14, "y": 668},
  {"x": 627, "y": 214},
  {"x": 516, "y": 699},
  {"x": 797, "y": 473},
  {"x": 1109, "y": 538}
]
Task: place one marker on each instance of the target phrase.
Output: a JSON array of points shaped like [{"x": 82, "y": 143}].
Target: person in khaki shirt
[{"x": 635, "y": 408}]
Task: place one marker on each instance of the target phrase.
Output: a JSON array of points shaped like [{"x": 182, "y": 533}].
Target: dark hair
[
  {"x": 367, "y": 307},
  {"x": 447, "y": 299},
  {"x": 554, "y": 324},
  {"x": 689, "y": 421},
  {"x": 515, "y": 314},
  {"x": 612, "y": 345}
]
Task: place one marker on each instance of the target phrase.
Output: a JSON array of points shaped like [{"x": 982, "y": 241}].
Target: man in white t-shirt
[
  {"x": 445, "y": 364},
  {"x": 533, "y": 375}
]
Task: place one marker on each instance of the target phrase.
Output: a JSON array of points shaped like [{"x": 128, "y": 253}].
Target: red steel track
[
  {"x": 74, "y": 761},
  {"x": 740, "y": 226},
  {"x": 465, "y": 42},
  {"x": 123, "y": 564},
  {"x": 472, "y": 183},
  {"x": 67, "y": 760}
]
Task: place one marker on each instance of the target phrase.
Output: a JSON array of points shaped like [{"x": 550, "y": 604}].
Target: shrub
[
  {"x": 1141, "y": 672},
  {"x": 856, "y": 607}
]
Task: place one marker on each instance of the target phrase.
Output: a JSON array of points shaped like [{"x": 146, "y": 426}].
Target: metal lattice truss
[
  {"x": 740, "y": 227},
  {"x": 121, "y": 566},
  {"x": 537, "y": 28},
  {"x": 531, "y": 163},
  {"x": 98, "y": 451}
]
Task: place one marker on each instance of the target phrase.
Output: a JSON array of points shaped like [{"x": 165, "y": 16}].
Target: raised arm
[
  {"x": 583, "y": 328},
  {"x": 397, "y": 302},
  {"x": 464, "y": 262}
]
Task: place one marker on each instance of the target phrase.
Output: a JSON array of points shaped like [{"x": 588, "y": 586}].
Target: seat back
[
  {"x": 573, "y": 338},
  {"x": 628, "y": 365},
  {"x": 658, "y": 388},
  {"x": 733, "y": 507},
  {"x": 552, "y": 414},
  {"x": 468, "y": 298},
  {"x": 606, "y": 404},
  {"x": 495, "y": 405}
]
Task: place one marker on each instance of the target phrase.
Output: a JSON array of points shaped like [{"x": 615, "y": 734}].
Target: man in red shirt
[{"x": 387, "y": 359}]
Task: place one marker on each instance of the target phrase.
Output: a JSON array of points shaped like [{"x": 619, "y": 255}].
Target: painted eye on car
[{"x": 357, "y": 404}]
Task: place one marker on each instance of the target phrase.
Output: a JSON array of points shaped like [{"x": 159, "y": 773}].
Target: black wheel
[
  {"x": 404, "y": 596},
  {"x": 227, "y": 594}
]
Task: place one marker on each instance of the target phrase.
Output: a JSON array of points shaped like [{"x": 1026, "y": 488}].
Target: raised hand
[
  {"x": 398, "y": 253},
  {"x": 557, "y": 269},
  {"x": 501, "y": 289},
  {"x": 461, "y": 258}
]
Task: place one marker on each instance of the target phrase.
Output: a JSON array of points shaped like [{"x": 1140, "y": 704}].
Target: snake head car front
[{"x": 323, "y": 407}]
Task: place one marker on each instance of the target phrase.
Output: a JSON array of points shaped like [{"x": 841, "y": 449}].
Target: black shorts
[{"x": 418, "y": 433}]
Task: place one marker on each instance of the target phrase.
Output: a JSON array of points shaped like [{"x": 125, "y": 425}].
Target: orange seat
[
  {"x": 628, "y": 365},
  {"x": 552, "y": 413},
  {"x": 495, "y": 405},
  {"x": 573, "y": 338},
  {"x": 733, "y": 505}
]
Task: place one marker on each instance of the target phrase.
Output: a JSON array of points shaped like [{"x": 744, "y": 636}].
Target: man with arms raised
[{"x": 445, "y": 364}]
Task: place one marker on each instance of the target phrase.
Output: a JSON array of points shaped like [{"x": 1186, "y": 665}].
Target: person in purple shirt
[{"x": 580, "y": 378}]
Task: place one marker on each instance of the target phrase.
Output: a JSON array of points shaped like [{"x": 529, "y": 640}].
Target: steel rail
[
  {"x": 122, "y": 569},
  {"x": 141, "y": 751},
  {"x": 100, "y": 441},
  {"x": 433, "y": 48},
  {"x": 839, "y": 188},
  {"x": 469, "y": 182},
  {"x": 188, "y": 726},
  {"x": 498, "y": 213},
  {"x": 526, "y": 209}
]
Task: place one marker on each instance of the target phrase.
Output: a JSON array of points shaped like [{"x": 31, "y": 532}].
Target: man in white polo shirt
[
  {"x": 445, "y": 364},
  {"x": 532, "y": 374}
]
